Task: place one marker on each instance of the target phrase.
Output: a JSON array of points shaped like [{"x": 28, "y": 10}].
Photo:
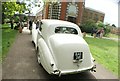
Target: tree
[
  {"x": 9, "y": 9},
  {"x": 113, "y": 25},
  {"x": 107, "y": 29},
  {"x": 88, "y": 26},
  {"x": 100, "y": 24}
]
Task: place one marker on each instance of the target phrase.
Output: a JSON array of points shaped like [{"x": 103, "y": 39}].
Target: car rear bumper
[{"x": 58, "y": 72}]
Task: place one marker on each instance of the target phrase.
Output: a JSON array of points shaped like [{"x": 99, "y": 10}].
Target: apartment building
[{"x": 93, "y": 14}]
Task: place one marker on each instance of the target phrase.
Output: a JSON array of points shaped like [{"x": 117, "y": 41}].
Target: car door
[
  {"x": 34, "y": 33},
  {"x": 39, "y": 34}
]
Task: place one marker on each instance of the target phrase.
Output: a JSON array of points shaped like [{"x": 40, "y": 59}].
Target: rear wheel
[{"x": 38, "y": 56}]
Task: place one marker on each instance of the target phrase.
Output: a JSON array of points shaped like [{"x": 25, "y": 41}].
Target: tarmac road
[{"x": 21, "y": 63}]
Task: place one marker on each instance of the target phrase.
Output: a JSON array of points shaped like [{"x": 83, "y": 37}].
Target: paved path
[{"x": 21, "y": 63}]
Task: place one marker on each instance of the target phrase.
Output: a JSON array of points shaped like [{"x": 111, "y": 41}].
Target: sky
[
  {"x": 109, "y": 7},
  {"x": 36, "y": 9}
]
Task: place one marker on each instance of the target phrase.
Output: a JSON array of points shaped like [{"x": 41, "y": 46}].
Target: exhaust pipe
[
  {"x": 57, "y": 72},
  {"x": 93, "y": 68}
]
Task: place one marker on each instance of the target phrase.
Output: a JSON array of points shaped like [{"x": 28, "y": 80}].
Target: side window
[
  {"x": 37, "y": 25},
  {"x": 67, "y": 30},
  {"x": 40, "y": 26}
]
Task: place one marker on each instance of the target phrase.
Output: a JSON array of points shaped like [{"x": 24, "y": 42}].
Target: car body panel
[{"x": 64, "y": 49}]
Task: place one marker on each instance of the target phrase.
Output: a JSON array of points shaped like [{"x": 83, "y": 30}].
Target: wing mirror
[{"x": 38, "y": 25}]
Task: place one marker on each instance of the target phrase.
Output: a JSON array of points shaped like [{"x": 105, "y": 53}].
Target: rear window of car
[{"x": 67, "y": 30}]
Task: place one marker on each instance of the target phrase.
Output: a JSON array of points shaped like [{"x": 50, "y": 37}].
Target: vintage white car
[{"x": 61, "y": 48}]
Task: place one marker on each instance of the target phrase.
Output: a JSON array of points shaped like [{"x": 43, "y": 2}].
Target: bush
[
  {"x": 100, "y": 24},
  {"x": 88, "y": 26},
  {"x": 107, "y": 31},
  {"x": 6, "y": 20}
]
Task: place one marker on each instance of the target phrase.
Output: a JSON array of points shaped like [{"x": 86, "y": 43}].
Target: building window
[
  {"x": 85, "y": 14},
  {"x": 102, "y": 18},
  {"x": 54, "y": 10},
  {"x": 91, "y": 15},
  {"x": 96, "y": 17},
  {"x": 72, "y": 12}
]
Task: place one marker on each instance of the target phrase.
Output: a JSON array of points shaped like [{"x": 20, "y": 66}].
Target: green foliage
[
  {"x": 107, "y": 30},
  {"x": 6, "y": 20},
  {"x": 100, "y": 24},
  {"x": 25, "y": 18},
  {"x": 9, "y": 9},
  {"x": 88, "y": 25},
  {"x": 17, "y": 19},
  {"x": 5, "y": 26},
  {"x": 105, "y": 52}
]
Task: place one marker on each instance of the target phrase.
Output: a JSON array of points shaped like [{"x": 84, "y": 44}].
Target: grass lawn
[
  {"x": 112, "y": 35},
  {"x": 8, "y": 36},
  {"x": 105, "y": 52},
  {"x": 6, "y": 26}
]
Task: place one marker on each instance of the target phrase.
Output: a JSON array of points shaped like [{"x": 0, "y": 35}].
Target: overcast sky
[{"x": 109, "y": 7}]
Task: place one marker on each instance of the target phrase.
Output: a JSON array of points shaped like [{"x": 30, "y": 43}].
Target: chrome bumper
[{"x": 59, "y": 72}]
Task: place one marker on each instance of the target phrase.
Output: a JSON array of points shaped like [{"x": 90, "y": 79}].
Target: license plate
[{"x": 78, "y": 55}]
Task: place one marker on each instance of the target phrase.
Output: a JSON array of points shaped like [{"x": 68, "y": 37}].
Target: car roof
[
  {"x": 51, "y": 24},
  {"x": 56, "y": 22}
]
